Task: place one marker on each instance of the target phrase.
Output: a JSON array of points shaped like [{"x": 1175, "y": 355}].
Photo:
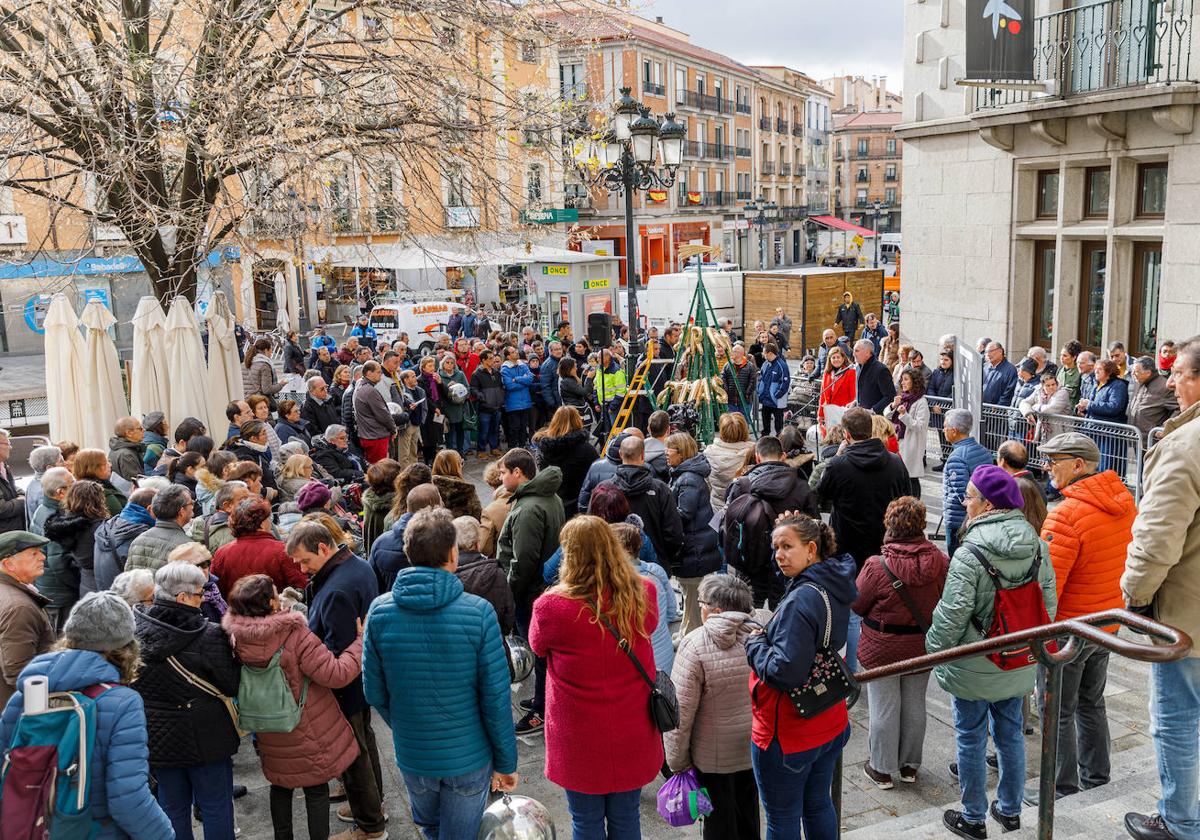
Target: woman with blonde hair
[
  {"x": 563, "y": 443},
  {"x": 458, "y": 494},
  {"x": 882, "y": 428},
  {"x": 601, "y": 745},
  {"x": 726, "y": 454},
  {"x": 297, "y": 471},
  {"x": 93, "y": 465},
  {"x": 210, "y": 476}
]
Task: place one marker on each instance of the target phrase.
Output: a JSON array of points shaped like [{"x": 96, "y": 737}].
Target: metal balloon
[
  {"x": 520, "y": 657},
  {"x": 516, "y": 818}
]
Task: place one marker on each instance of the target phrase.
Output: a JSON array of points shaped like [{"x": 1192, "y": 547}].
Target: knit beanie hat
[
  {"x": 998, "y": 487},
  {"x": 101, "y": 621},
  {"x": 1029, "y": 366},
  {"x": 313, "y": 495}
]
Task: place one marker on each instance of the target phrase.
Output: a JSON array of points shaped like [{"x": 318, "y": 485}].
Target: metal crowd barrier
[{"x": 29, "y": 411}]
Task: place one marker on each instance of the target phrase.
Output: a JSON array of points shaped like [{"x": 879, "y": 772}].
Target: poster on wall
[{"x": 1000, "y": 40}]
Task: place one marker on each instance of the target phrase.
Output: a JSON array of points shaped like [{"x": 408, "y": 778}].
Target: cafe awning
[{"x": 834, "y": 223}]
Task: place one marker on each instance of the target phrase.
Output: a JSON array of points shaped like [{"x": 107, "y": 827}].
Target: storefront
[{"x": 571, "y": 290}]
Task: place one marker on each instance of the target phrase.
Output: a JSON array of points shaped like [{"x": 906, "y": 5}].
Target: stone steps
[{"x": 1096, "y": 814}]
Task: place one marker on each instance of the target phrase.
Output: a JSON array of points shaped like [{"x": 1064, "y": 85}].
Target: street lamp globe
[
  {"x": 644, "y": 131},
  {"x": 670, "y": 141},
  {"x": 771, "y": 210},
  {"x": 759, "y": 204},
  {"x": 625, "y": 113},
  {"x": 610, "y": 148}
]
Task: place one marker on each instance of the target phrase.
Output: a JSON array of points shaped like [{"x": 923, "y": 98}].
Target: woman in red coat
[
  {"x": 837, "y": 385},
  {"x": 254, "y": 550},
  {"x": 601, "y": 745},
  {"x": 322, "y": 745}
]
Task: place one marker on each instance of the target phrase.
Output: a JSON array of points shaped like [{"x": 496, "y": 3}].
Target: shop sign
[
  {"x": 735, "y": 224},
  {"x": 556, "y": 270},
  {"x": 550, "y": 216},
  {"x": 600, "y": 283}
]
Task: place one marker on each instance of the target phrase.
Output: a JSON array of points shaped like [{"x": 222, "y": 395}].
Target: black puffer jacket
[
  {"x": 483, "y": 576},
  {"x": 653, "y": 501},
  {"x": 246, "y": 452},
  {"x": 572, "y": 454},
  {"x": 336, "y": 462},
  {"x": 77, "y": 536},
  {"x": 689, "y": 483},
  {"x": 860, "y": 484},
  {"x": 781, "y": 485},
  {"x": 186, "y": 727}
]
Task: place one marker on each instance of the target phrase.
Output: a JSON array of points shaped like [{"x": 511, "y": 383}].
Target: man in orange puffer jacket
[{"x": 1088, "y": 535}]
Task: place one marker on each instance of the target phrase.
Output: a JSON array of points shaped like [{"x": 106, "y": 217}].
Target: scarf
[
  {"x": 136, "y": 513},
  {"x": 431, "y": 388},
  {"x": 1165, "y": 363},
  {"x": 906, "y": 399}
]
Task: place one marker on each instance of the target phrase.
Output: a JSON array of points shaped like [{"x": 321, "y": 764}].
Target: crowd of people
[{"x": 325, "y": 561}]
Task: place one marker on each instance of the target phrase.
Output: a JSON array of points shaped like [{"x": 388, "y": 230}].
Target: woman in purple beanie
[{"x": 999, "y": 548}]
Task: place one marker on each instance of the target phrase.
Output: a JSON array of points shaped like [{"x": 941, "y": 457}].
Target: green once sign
[{"x": 550, "y": 216}]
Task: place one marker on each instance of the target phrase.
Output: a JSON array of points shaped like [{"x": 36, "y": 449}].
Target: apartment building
[
  {"x": 858, "y": 93},
  {"x": 868, "y": 169},
  {"x": 815, "y": 135},
  {"x": 780, "y": 108},
  {"x": 1068, "y": 208}
]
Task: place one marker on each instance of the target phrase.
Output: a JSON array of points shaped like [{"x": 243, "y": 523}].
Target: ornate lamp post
[{"x": 766, "y": 211}]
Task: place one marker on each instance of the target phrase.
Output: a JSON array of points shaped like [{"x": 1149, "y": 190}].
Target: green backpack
[{"x": 265, "y": 701}]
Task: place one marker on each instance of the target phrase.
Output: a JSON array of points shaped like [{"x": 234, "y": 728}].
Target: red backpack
[{"x": 1014, "y": 609}]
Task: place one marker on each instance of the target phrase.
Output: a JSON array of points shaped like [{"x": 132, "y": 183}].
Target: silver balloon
[
  {"x": 516, "y": 818},
  {"x": 521, "y": 658}
]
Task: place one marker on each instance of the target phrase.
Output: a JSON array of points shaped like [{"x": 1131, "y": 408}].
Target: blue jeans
[
  {"x": 591, "y": 811},
  {"x": 853, "y": 631},
  {"x": 210, "y": 786},
  {"x": 456, "y": 438},
  {"x": 449, "y": 808},
  {"x": 971, "y": 727},
  {"x": 488, "y": 435},
  {"x": 1174, "y": 720},
  {"x": 796, "y": 788}
]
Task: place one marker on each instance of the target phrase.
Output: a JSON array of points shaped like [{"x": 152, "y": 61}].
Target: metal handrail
[{"x": 1086, "y": 628}]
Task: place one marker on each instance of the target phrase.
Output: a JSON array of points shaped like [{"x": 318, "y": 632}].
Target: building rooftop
[{"x": 867, "y": 119}]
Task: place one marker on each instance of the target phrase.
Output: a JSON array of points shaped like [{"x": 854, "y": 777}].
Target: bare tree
[{"x": 185, "y": 124}]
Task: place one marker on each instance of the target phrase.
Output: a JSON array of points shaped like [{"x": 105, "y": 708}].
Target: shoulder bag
[
  {"x": 830, "y": 681},
  {"x": 210, "y": 689},
  {"x": 664, "y": 706},
  {"x": 909, "y": 604}
]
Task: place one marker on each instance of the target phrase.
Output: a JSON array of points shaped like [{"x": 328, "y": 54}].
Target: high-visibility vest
[{"x": 611, "y": 384}]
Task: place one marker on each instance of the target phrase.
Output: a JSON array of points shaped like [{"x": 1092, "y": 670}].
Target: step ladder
[{"x": 632, "y": 392}]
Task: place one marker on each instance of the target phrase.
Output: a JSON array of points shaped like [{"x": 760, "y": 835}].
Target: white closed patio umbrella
[
  {"x": 65, "y": 353},
  {"x": 224, "y": 382},
  {"x": 149, "y": 389},
  {"x": 283, "y": 321},
  {"x": 185, "y": 364},
  {"x": 103, "y": 394}
]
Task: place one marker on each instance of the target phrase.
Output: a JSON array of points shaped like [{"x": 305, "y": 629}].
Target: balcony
[
  {"x": 692, "y": 148},
  {"x": 705, "y": 102},
  {"x": 793, "y": 214},
  {"x": 743, "y": 195},
  {"x": 744, "y": 151},
  {"x": 718, "y": 151},
  {"x": 744, "y": 108},
  {"x": 798, "y": 130},
  {"x": 891, "y": 177},
  {"x": 764, "y": 123},
  {"x": 1109, "y": 45},
  {"x": 785, "y": 169},
  {"x": 768, "y": 167},
  {"x": 718, "y": 198},
  {"x": 341, "y": 219},
  {"x": 651, "y": 89},
  {"x": 781, "y": 126},
  {"x": 862, "y": 178}
]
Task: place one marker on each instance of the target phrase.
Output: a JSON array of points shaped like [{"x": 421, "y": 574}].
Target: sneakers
[
  {"x": 357, "y": 833},
  {"x": 953, "y": 820},
  {"x": 908, "y": 775},
  {"x": 532, "y": 722},
  {"x": 345, "y": 815},
  {"x": 526, "y": 705},
  {"x": 883, "y": 781},
  {"x": 992, "y": 760},
  {"x": 1007, "y": 824},
  {"x": 1152, "y": 827}
]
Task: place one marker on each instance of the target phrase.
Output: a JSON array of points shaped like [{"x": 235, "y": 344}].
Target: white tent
[
  {"x": 185, "y": 362},
  {"x": 224, "y": 382},
  {"x": 103, "y": 394},
  {"x": 65, "y": 353},
  {"x": 149, "y": 389}
]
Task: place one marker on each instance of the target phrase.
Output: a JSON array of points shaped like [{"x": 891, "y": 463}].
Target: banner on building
[
  {"x": 1000, "y": 40},
  {"x": 693, "y": 198},
  {"x": 657, "y": 196}
]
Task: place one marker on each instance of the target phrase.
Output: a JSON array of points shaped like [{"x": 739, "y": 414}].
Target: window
[
  {"x": 1047, "y": 194},
  {"x": 863, "y": 146},
  {"x": 1093, "y": 262},
  {"x": 838, "y": 153},
  {"x": 891, "y": 146},
  {"x": 862, "y": 174},
  {"x": 1095, "y": 192},
  {"x": 680, "y": 85},
  {"x": 1044, "y": 255},
  {"x": 860, "y": 198},
  {"x": 889, "y": 196},
  {"x": 700, "y": 83},
  {"x": 571, "y": 82},
  {"x": 1147, "y": 278},
  {"x": 889, "y": 173},
  {"x": 529, "y": 52},
  {"x": 533, "y": 183},
  {"x": 1152, "y": 189},
  {"x": 456, "y": 188},
  {"x": 373, "y": 28}
]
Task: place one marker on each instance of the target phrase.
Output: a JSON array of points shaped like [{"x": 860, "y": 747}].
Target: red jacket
[
  {"x": 322, "y": 746},
  {"x": 467, "y": 364},
  {"x": 599, "y": 736},
  {"x": 922, "y": 568},
  {"x": 1088, "y": 535},
  {"x": 257, "y": 553},
  {"x": 841, "y": 392}
]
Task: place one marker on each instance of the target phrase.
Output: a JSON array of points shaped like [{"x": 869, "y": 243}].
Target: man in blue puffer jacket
[
  {"x": 122, "y": 805},
  {"x": 966, "y": 454},
  {"x": 774, "y": 382},
  {"x": 518, "y": 382},
  {"x": 434, "y": 668}
]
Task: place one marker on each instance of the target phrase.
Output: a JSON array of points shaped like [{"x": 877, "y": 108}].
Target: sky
[{"x": 820, "y": 37}]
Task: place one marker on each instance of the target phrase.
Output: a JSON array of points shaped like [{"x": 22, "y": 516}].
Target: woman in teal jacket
[{"x": 980, "y": 690}]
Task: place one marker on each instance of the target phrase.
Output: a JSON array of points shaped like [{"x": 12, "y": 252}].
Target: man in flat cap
[
  {"x": 1088, "y": 535},
  {"x": 25, "y": 629}
]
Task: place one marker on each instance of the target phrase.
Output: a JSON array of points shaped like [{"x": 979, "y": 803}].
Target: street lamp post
[
  {"x": 876, "y": 206},
  {"x": 766, "y": 211},
  {"x": 622, "y": 159}
]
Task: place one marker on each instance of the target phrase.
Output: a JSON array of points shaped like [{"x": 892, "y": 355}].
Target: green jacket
[
  {"x": 60, "y": 576},
  {"x": 452, "y": 410},
  {"x": 1069, "y": 378},
  {"x": 375, "y": 507},
  {"x": 1010, "y": 544},
  {"x": 530, "y": 533}
]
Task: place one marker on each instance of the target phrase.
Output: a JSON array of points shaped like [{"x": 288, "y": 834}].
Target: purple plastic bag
[{"x": 682, "y": 801}]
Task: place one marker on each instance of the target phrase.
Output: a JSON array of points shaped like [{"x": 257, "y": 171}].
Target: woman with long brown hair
[
  {"x": 258, "y": 374},
  {"x": 563, "y": 443},
  {"x": 601, "y": 745},
  {"x": 73, "y": 528}
]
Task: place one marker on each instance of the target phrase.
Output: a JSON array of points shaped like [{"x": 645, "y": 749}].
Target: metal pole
[
  {"x": 631, "y": 277},
  {"x": 1051, "y": 703},
  {"x": 876, "y": 228}
]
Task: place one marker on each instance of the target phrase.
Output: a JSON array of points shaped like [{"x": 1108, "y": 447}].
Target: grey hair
[
  {"x": 189, "y": 552},
  {"x": 1091, "y": 357},
  {"x": 227, "y": 491},
  {"x": 865, "y": 343},
  {"x": 467, "y": 528},
  {"x": 554, "y": 344},
  {"x": 312, "y": 381},
  {"x": 132, "y": 584},
  {"x": 154, "y": 482},
  {"x": 310, "y": 375},
  {"x": 960, "y": 420},
  {"x": 43, "y": 458},
  {"x": 292, "y": 447},
  {"x": 727, "y": 593},
  {"x": 333, "y": 430},
  {"x": 56, "y": 479},
  {"x": 948, "y": 340},
  {"x": 170, "y": 501},
  {"x": 1037, "y": 352},
  {"x": 179, "y": 578},
  {"x": 1146, "y": 363}
]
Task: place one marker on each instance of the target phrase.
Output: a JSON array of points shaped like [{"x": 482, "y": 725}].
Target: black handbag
[
  {"x": 664, "y": 705},
  {"x": 830, "y": 681}
]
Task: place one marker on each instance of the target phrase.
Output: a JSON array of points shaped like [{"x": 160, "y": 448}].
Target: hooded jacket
[
  {"x": 387, "y": 555},
  {"x": 600, "y": 471},
  {"x": 322, "y": 745},
  {"x": 375, "y": 510},
  {"x": 849, "y": 317},
  {"x": 965, "y": 456},
  {"x": 654, "y": 502},
  {"x": 1010, "y": 545},
  {"x": 122, "y": 804},
  {"x": 126, "y": 457},
  {"x": 655, "y": 458},
  {"x": 25, "y": 631},
  {"x": 76, "y": 534},
  {"x": 530, "y": 533},
  {"x": 573, "y": 455},
  {"x": 860, "y": 483},
  {"x": 921, "y": 567},
  {"x": 781, "y": 657},
  {"x": 458, "y": 495},
  {"x": 256, "y": 553},
  {"x": 699, "y": 554},
  {"x": 710, "y": 675},
  {"x": 1088, "y": 535},
  {"x": 113, "y": 539},
  {"x": 187, "y": 727},
  {"x": 780, "y": 484},
  {"x": 260, "y": 378},
  {"x": 724, "y": 461},
  {"x": 518, "y": 382},
  {"x": 774, "y": 382},
  {"x": 435, "y": 669},
  {"x": 483, "y": 576},
  {"x": 548, "y": 383}
]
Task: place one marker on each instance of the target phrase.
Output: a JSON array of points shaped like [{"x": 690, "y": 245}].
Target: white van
[
  {"x": 423, "y": 322},
  {"x": 666, "y": 297},
  {"x": 889, "y": 247}
]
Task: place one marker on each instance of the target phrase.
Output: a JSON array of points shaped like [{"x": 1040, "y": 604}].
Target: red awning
[{"x": 841, "y": 224}]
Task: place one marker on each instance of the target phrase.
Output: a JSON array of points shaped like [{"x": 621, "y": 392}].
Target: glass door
[{"x": 1093, "y": 266}]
